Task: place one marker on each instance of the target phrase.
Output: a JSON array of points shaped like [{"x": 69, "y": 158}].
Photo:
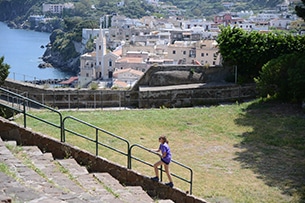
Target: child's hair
[{"x": 163, "y": 138}]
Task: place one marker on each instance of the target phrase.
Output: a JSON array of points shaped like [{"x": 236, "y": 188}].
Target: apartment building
[
  {"x": 134, "y": 60},
  {"x": 56, "y": 8},
  {"x": 126, "y": 77},
  {"x": 87, "y": 69},
  {"x": 203, "y": 52}
]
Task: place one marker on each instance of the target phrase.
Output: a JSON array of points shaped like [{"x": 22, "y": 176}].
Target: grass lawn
[{"x": 249, "y": 152}]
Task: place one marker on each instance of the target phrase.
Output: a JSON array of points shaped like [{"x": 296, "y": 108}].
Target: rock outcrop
[{"x": 64, "y": 57}]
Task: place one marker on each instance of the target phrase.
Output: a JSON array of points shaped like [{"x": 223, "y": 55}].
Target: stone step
[
  {"x": 20, "y": 183},
  {"x": 64, "y": 180},
  {"x": 87, "y": 180},
  {"x": 40, "y": 175},
  {"x": 52, "y": 171},
  {"x": 133, "y": 194}
]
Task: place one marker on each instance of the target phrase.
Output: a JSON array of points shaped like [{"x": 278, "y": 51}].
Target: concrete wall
[{"x": 25, "y": 137}]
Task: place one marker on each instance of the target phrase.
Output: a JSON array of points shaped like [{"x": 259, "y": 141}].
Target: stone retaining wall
[
  {"x": 73, "y": 97},
  {"x": 25, "y": 137},
  {"x": 199, "y": 96},
  {"x": 167, "y": 96}
]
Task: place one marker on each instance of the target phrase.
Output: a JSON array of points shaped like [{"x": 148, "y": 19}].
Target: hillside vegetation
[{"x": 20, "y": 10}]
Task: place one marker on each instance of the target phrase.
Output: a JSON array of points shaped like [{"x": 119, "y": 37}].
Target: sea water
[{"x": 22, "y": 50}]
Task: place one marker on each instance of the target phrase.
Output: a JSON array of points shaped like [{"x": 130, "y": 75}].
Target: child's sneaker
[
  {"x": 170, "y": 184},
  {"x": 156, "y": 179}
]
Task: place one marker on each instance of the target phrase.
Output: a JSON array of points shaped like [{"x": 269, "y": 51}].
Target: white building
[
  {"x": 204, "y": 52},
  {"x": 56, "y": 8},
  {"x": 153, "y": 2},
  {"x": 89, "y": 34},
  {"x": 87, "y": 69},
  {"x": 264, "y": 17},
  {"x": 128, "y": 76},
  {"x": 196, "y": 23},
  {"x": 280, "y": 23},
  {"x": 245, "y": 25},
  {"x": 91, "y": 64}
]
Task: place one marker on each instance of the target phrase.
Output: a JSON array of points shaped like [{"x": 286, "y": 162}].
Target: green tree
[
  {"x": 283, "y": 78},
  {"x": 251, "y": 50},
  {"x": 4, "y": 70},
  {"x": 300, "y": 10},
  {"x": 296, "y": 78}
]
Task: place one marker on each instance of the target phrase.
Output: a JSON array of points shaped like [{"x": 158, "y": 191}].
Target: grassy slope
[{"x": 239, "y": 153}]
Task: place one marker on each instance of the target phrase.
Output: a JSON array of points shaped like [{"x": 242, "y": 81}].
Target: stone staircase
[{"x": 28, "y": 175}]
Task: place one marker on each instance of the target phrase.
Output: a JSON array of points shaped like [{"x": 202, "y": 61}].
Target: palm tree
[{"x": 3, "y": 70}]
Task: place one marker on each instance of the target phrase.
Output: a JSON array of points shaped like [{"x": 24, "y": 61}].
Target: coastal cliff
[{"x": 63, "y": 53}]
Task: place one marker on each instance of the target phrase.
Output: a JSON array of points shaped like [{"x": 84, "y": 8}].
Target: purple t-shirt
[{"x": 165, "y": 148}]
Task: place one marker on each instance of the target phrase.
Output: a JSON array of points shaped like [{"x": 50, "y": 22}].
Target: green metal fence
[{"x": 20, "y": 103}]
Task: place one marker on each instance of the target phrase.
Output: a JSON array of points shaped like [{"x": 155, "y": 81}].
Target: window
[
  {"x": 174, "y": 51},
  {"x": 184, "y": 52},
  {"x": 110, "y": 63},
  {"x": 202, "y": 54},
  {"x": 99, "y": 47},
  {"x": 207, "y": 54},
  {"x": 192, "y": 53}
]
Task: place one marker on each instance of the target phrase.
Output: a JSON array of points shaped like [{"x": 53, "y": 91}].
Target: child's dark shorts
[{"x": 166, "y": 162}]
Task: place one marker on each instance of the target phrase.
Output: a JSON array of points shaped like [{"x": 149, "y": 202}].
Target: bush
[
  {"x": 4, "y": 70},
  {"x": 283, "y": 78}
]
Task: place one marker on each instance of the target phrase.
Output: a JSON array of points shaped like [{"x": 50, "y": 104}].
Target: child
[{"x": 165, "y": 160}]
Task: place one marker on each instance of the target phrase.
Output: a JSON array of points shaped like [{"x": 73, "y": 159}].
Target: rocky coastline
[{"x": 52, "y": 57}]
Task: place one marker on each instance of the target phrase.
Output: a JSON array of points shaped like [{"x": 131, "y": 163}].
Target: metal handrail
[
  {"x": 62, "y": 128},
  {"x": 96, "y": 140},
  {"x": 190, "y": 181},
  {"x": 25, "y": 100}
]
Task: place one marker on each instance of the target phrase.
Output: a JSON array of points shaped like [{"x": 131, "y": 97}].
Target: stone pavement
[{"x": 32, "y": 176}]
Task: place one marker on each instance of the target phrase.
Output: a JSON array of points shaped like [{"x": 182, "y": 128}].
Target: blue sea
[{"x": 22, "y": 51}]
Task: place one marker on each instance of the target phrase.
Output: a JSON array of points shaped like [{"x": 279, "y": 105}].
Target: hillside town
[{"x": 125, "y": 48}]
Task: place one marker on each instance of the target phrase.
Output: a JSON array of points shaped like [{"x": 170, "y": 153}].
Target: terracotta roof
[
  {"x": 119, "y": 83},
  {"x": 129, "y": 60},
  {"x": 118, "y": 52},
  {"x": 69, "y": 81},
  {"x": 133, "y": 71}
]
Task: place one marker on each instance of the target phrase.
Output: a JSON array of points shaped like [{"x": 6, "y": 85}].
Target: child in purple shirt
[{"x": 166, "y": 157}]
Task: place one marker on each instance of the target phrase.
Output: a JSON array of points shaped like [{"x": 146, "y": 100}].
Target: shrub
[{"x": 283, "y": 78}]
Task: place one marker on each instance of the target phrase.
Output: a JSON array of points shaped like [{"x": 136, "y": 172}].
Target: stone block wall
[
  {"x": 73, "y": 97},
  {"x": 199, "y": 96},
  {"x": 182, "y": 74},
  {"x": 26, "y": 137},
  {"x": 213, "y": 89}
]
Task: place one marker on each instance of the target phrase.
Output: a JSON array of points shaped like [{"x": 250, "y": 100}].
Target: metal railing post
[
  {"x": 129, "y": 158},
  {"x": 62, "y": 131},
  {"x": 96, "y": 142},
  {"x": 160, "y": 168},
  {"x": 191, "y": 182},
  {"x": 161, "y": 172},
  {"x": 24, "y": 115}
]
